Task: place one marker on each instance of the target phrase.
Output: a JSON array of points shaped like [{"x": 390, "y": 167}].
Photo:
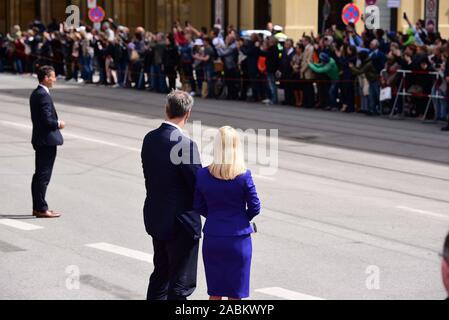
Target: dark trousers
[
  {"x": 232, "y": 83},
  {"x": 187, "y": 70},
  {"x": 309, "y": 94},
  {"x": 348, "y": 95},
  {"x": 45, "y": 160},
  {"x": 175, "y": 268},
  {"x": 171, "y": 75},
  {"x": 255, "y": 85}
]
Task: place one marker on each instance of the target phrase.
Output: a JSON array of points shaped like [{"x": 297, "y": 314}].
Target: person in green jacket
[
  {"x": 329, "y": 67},
  {"x": 410, "y": 37}
]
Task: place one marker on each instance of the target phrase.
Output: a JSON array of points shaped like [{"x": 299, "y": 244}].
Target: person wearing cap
[
  {"x": 277, "y": 32},
  {"x": 198, "y": 62},
  {"x": 329, "y": 67}
]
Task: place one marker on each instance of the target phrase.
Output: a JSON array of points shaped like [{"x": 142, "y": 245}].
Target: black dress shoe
[
  {"x": 445, "y": 129},
  {"x": 46, "y": 214}
]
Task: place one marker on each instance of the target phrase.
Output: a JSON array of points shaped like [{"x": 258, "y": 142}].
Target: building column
[
  {"x": 296, "y": 17},
  {"x": 247, "y": 14},
  {"x": 200, "y": 13},
  {"x": 151, "y": 15},
  {"x": 415, "y": 11},
  {"x": 443, "y": 19},
  {"x": 233, "y": 12},
  {"x": 13, "y": 14},
  {"x": 146, "y": 14},
  {"x": 45, "y": 11},
  {"x": 109, "y": 8}
]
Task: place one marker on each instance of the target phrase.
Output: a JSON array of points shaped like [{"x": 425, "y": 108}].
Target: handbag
[
  {"x": 364, "y": 85},
  {"x": 385, "y": 94},
  {"x": 254, "y": 227},
  {"x": 134, "y": 56}
]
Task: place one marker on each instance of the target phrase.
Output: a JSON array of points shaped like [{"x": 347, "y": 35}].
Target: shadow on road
[{"x": 17, "y": 217}]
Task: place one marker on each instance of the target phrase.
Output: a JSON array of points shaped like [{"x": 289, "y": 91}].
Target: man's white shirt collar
[
  {"x": 173, "y": 125},
  {"x": 45, "y": 88}
]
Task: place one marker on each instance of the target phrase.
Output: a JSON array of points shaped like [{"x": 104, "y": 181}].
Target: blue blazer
[
  {"x": 170, "y": 186},
  {"x": 45, "y": 120},
  {"x": 229, "y": 206}
]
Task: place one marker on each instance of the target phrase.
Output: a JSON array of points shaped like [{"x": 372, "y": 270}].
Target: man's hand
[
  {"x": 408, "y": 59},
  {"x": 61, "y": 124}
]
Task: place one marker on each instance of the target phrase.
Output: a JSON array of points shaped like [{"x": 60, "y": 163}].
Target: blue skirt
[{"x": 227, "y": 262}]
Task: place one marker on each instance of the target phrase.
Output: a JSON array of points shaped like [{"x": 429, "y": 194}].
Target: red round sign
[
  {"x": 97, "y": 14},
  {"x": 351, "y": 14}
]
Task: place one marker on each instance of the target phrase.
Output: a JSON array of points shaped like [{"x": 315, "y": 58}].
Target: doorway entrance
[
  {"x": 336, "y": 8},
  {"x": 262, "y": 13}
]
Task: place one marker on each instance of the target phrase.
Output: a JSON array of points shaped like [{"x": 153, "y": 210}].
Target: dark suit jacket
[
  {"x": 45, "y": 119},
  {"x": 170, "y": 185}
]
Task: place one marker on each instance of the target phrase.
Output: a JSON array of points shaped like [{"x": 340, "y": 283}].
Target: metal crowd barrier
[{"x": 402, "y": 92}]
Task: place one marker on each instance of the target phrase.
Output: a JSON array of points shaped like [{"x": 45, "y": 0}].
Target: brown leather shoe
[{"x": 47, "y": 214}]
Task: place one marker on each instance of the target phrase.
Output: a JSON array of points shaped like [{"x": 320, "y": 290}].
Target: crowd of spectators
[{"x": 339, "y": 70}]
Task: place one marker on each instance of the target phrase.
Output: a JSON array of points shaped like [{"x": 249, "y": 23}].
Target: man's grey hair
[{"x": 179, "y": 103}]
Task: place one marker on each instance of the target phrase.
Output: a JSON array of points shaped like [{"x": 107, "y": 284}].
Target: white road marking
[
  {"x": 74, "y": 136},
  {"x": 424, "y": 212},
  {"x": 134, "y": 254},
  {"x": 110, "y": 144},
  {"x": 106, "y": 143},
  {"x": 286, "y": 294},
  {"x": 257, "y": 176},
  {"x": 19, "y": 225}
]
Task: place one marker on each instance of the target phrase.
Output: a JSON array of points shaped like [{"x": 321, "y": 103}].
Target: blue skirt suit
[{"x": 229, "y": 207}]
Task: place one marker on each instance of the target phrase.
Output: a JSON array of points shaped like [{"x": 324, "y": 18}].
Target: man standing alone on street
[
  {"x": 170, "y": 164},
  {"x": 46, "y": 138}
]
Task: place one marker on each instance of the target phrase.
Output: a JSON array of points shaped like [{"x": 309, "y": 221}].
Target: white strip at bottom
[
  {"x": 286, "y": 294},
  {"x": 133, "y": 254},
  {"x": 19, "y": 225}
]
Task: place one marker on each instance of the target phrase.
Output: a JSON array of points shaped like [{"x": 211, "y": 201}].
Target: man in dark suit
[
  {"x": 286, "y": 70},
  {"x": 46, "y": 138},
  {"x": 170, "y": 163}
]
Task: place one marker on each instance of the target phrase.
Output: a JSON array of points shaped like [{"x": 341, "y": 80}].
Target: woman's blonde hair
[{"x": 229, "y": 160}]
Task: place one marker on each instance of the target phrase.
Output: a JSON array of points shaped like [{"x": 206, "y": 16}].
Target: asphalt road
[{"x": 358, "y": 208}]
